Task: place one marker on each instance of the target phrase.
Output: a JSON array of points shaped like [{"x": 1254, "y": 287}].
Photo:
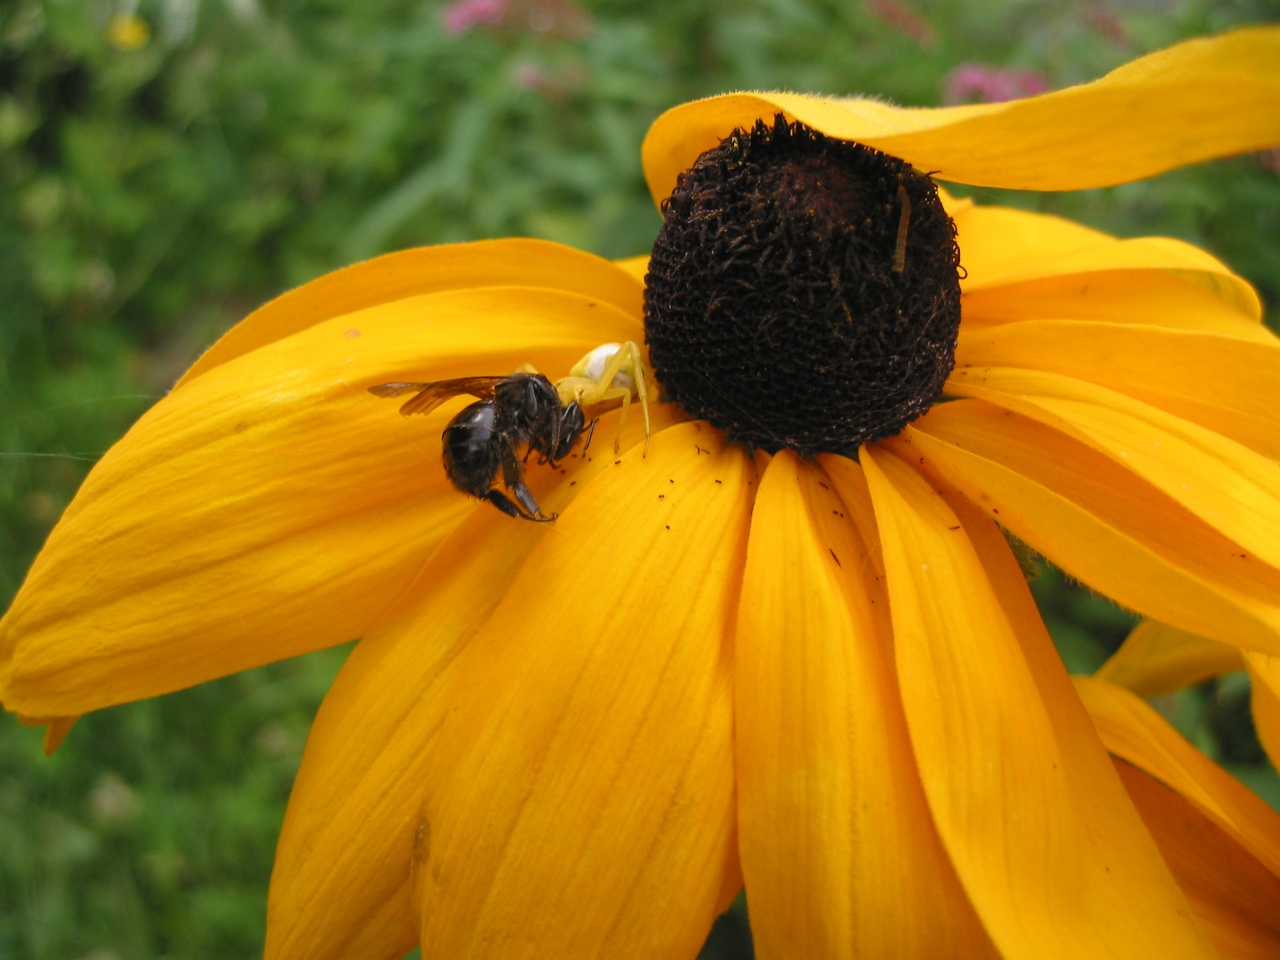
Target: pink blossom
[
  {"x": 529, "y": 76},
  {"x": 905, "y": 19},
  {"x": 1271, "y": 159},
  {"x": 463, "y": 16},
  {"x": 976, "y": 82}
]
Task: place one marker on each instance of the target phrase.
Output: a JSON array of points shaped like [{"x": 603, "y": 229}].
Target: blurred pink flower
[
  {"x": 976, "y": 82},
  {"x": 552, "y": 84},
  {"x": 463, "y": 16},
  {"x": 1107, "y": 24},
  {"x": 903, "y": 18},
  {"x": 529, "y": 76}
]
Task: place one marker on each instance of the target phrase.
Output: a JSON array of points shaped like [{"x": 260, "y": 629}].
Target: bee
[
  {"x": 521, "y": 410},
  {"x": 525, "y": 410}
]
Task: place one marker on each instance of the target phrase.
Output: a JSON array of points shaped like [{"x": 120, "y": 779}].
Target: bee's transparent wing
[{"x": 428, "y": 396}]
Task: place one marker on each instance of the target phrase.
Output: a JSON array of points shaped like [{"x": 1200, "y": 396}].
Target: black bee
[{"x": 515, "y": 411}]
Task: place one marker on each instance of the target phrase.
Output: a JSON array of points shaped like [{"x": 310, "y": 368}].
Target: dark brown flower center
[{"x": 803, "y": 292}]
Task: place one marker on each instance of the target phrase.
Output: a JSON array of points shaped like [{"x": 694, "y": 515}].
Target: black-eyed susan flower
[{"x": 789, "y": 647}]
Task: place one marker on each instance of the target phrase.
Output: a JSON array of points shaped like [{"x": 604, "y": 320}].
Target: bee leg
[
  {"x": 503, "y": 503},
  {"x": 512, "y": 476},
  {"x": 525, "y": 496},
  {"x": 569, "y": 428}
]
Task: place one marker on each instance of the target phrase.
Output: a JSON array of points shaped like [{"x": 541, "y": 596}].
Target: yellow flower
[
  {"x": 126, "y": 31},
  {"x": 822, "y": 677}
]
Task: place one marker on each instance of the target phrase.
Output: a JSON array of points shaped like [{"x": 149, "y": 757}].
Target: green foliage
[
  {"x": 150, "y": 832},
  {"x": 161, "y": 176}
]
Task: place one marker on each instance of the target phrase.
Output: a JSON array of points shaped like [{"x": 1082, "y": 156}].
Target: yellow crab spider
[{"x": 612, "y": 372}]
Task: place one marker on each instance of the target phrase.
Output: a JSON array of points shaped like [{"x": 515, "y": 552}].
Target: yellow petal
[
  {"x": 352, "y": 820},
  {"x": 56, "y": 729},
  {"x": 1133, "y": 731},
  {"x": 1234, "y": 898},
  {"x": 637, "y": 267},
  {"x": 1216, "y": 381},
  {"x": 838, "y": 849},
  {"x": 997, "y": 244},
  {"x": 1264, "y": 673},
  {"x": 1150, "y": 297},
  {"x": 349, "y": 831},
  {"x": 1051, "y": 853},
  {"x": 1230, "y": 487},
  {"x": 1201, "y": 99},
  {"x": 271, "y": 506},
  {"x": 411, "y": 273},
  {"x": 1156, "y": 658},
  {"x": 1100, "y": 523},
  {"x": 581, "y": 800},
  {"x": 1002, "y": 248}
]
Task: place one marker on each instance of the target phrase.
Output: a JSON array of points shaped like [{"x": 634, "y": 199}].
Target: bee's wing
[{"x": 428, "y": 396}]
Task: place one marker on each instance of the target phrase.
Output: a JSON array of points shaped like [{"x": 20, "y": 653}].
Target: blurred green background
[{"x": 165, "y": 167}]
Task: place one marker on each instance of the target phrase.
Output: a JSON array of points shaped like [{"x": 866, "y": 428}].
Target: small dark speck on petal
[
  {"x": 835, "y": 558},
  {"x": 956, "y": 527},
  {"x": 352, "y": 333}
]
